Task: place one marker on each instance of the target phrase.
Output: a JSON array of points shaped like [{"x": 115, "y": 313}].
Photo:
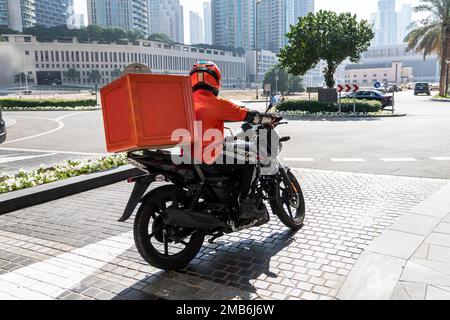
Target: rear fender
[{"x": 140, "y": 187}]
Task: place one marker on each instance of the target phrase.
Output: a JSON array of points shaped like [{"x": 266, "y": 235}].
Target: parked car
[
  {"x": 434, "y": 87},
  {"x": 2, "y": 128},
  {"x": 385, "y": 100},
  {"x": 392, "y": 87},
  {"x": 27, "y": 92},
  {"x": 422, "y": 88}
]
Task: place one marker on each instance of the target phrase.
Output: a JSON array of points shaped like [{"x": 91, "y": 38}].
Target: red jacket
[{"x": 212, "y": 112}]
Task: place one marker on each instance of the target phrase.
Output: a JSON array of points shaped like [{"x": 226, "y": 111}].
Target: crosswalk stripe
[
  {"x": 399, "y": 159},
  {"x": 440, "y": 158},
  {"x": 347, "y": 160},
  {"x": 300, "y": 159}
]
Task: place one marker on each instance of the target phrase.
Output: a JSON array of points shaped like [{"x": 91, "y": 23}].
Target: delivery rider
[{"x": 212, "y": 111}]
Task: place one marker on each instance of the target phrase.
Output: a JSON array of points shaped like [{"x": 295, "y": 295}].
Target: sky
[{"x": 362, "y": 8}]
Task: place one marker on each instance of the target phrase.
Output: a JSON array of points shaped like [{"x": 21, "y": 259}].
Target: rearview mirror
[{"x": 276, "y": 100}]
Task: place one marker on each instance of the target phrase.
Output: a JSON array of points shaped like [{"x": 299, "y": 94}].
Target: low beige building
[
  {"x": 366, "y": 74},
  {"x": 48, "y": 63}
]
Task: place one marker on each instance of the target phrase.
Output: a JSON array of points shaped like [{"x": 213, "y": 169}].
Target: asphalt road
[{"x": 416, "y": 145}]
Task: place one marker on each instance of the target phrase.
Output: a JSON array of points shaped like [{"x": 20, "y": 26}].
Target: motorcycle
[{"x": 173, "y": 220}]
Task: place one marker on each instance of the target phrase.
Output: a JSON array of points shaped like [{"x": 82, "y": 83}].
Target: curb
[
  {"x": 440, "y": 100},
  {"x": 336, "y": 117},
  {"x": 25, "y": 198}
]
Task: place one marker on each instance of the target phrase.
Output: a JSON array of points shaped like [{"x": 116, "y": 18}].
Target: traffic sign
[
  {"x": 377, "y": 85},
  {"x": 267, "y": 87},
  {"x": 347, "y": 88}
]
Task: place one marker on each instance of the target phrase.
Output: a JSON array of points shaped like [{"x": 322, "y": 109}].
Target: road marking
[
  {"x": 57, "y": 120},
  {"x": 299, "y": 159},
  {"x": 399, "y": 159},
  {"x": 21, "y": 158},
  {"x": 347, "y": 160},
  {"x": 55, "y": 151},
  {"x": 9, "y": 155},
  {"x": 50, "y": 278},
  {"x": 440, "y": 158}
]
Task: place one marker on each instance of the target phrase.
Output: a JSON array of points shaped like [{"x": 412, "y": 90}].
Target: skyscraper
[
  {"x": 386, "y": 23},
  {"x": 166, "y": 16},
  {"x": 404, "y": 20},
  {"x": 17, "y": 14},
  {"x": 4, "y": 13},
  {"x": 275, "y": 18},
  {"x": 296, "y": 9},
  {"x": 233, "y": 23},
  {"x": 123, "y": 14},
  {"x": 391, "y": 27},
  {"x": 271, "y": 24},
  {"x": 196, "y": 26},
  {"x": 207, "y": 22},
  {"x": 51, "y": 13}
]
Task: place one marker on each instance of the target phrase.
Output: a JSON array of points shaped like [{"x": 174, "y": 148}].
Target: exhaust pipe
[{"x": 192, "y": 220}]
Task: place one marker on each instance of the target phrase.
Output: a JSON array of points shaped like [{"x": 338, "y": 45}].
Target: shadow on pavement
[{"x": 224, "y": 270}]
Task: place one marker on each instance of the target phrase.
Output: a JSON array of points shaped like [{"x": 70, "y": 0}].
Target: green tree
[
  {"x": 432, "y": 35},
  {"x": 95, "y": 76},
  {"x": 72, "y": 74},
  {"x": 286, "y": 83},
  {"x": 135, "y": 35},
  {"x": 326, "y": 36},
  {"x": 161, "y": 37},
  {"x": 116, "y": 73}
]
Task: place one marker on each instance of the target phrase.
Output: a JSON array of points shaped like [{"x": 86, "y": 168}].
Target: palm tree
[{"x": 433, "y": 35}]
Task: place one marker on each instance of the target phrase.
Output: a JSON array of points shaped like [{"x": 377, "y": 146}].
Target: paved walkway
[
  {"x": 410, "y": 260},
  {"x": 73, "y": 248}
]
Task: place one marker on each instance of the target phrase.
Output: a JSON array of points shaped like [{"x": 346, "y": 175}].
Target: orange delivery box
[{"x": 141, "y": 111}]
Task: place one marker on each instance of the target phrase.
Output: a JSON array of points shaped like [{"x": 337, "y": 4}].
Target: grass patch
[
  {"x": 69, "y": 169},
  {"x": 438, "y": 97}
]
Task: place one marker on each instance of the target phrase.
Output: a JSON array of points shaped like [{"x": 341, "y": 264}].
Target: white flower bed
[{"x": 68, "y": 169}]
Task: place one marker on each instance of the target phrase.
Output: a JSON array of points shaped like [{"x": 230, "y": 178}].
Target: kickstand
[{"x": 215, "y": 237}]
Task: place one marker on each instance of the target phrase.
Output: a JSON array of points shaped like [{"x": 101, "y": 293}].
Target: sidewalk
[
  {"x": 410, "y": 260},
  {"x": 73, "y": 248}
]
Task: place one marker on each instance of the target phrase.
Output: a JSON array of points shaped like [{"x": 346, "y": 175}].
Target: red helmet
[{"x": 206, "y": 75}]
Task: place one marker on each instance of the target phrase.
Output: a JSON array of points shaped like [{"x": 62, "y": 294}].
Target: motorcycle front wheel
[
  {"x": 289, "y": 206},
  {"x": 165, "y": 247}
]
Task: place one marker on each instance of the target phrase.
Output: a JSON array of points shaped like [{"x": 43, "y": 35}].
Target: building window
[{"x": 27, "y": 53}]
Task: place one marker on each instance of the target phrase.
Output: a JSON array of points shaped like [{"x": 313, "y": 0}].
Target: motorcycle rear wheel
[
  {"x": 291, "y": 211},
  {"x": 159, "y": 244}
]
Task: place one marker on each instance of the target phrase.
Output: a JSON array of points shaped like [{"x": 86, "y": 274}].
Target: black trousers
[{"x": 244, "y": 171}]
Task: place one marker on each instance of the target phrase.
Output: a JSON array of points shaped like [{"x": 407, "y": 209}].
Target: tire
[
  {"x": 295, "y": 222},
  {"x": 149, "y": 212}
]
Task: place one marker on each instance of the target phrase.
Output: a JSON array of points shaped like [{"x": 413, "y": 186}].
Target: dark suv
[
  {"x": 2, "y": 128},
  {"x": 422, "y": 88}
]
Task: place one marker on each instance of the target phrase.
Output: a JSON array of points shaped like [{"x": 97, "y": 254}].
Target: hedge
[
  {"x": 362, "y": 106},
  {"x": 36, "y": 103}
]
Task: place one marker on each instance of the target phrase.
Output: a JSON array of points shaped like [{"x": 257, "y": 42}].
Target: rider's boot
[{"x": 249, "y": 210}]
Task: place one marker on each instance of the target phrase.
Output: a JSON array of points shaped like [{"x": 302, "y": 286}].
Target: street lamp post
[
  {"x": 256, "y": 49},
  {"x": 276, "y": 81}
]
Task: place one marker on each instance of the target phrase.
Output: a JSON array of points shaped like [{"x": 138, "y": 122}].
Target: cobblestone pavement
[{"x": 73, "y": 248}]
